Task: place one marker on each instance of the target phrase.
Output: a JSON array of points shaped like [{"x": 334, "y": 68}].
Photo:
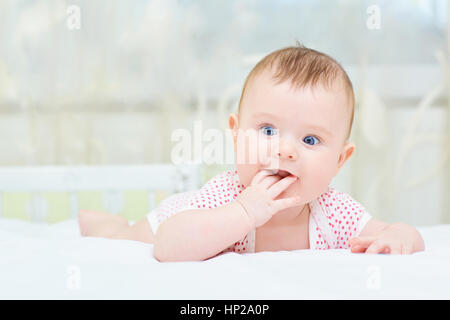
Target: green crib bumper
[
  {"x": 19, "y": 205},
  {"x": 135, "y": 205}
]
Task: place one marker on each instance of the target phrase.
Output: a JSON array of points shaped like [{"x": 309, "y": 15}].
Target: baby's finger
[
  {"x": 396, "y": 249},
  {"x": 358, "y": 249},
  {"x": 407, "y": 249},
  {"x": 377, "y": 247},
  {"x": 259, "y": 176},
  {"x": 281, "y": 185},
  {"x": 287, "y": 203},
  {"x": 361, "y": 241},
  {"x": 268, "y": 181}
]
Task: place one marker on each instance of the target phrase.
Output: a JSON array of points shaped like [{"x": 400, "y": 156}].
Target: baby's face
[{"x": 307, "y": 127}]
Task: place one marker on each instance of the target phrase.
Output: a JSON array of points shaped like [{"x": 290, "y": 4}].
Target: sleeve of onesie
[
  {"x": 346, "y": 216},
  {"x": 170, "y": 206},
  {"x": 215, "y": 193}
]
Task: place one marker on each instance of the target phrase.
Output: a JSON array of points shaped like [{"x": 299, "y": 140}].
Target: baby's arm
[{"x": 200, "y": 234}]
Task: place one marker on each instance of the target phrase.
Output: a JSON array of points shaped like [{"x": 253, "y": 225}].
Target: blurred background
[{"x": 106, "y": 82}]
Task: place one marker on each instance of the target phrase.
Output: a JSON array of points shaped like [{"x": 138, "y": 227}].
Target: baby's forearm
[{"x": 195, "y": 235}]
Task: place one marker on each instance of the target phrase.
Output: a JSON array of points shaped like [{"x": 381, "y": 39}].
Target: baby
[{"x": 301, "y": 103}]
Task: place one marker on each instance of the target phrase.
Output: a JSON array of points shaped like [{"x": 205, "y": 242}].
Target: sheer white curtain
[{"x": 113, "y": 91}]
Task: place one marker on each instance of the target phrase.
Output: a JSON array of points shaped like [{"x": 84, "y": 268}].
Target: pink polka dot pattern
[
  {"x": 341, "y": 218},
  {"x": 218, "y": 191},
  {"x": 334, "y": 218}
]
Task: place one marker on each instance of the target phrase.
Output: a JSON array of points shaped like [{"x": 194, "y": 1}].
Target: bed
[{"x": 42, "y": 260}]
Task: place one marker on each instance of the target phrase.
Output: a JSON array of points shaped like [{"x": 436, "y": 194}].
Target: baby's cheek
[
  {"x": 317, "y": 181},
  {"x": 246, "y": 173},
  {"x": 255, "y": 149}
]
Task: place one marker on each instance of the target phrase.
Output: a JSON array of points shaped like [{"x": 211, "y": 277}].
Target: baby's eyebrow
[
  {"x": 265, "y": 114},
  {"x": 319, "y": 128}
]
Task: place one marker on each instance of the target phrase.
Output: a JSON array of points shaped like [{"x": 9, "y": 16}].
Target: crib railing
[{"x": 112, "y": 181}]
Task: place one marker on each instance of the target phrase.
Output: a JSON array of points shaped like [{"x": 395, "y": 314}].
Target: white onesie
[{"x": 334, "y": 216}]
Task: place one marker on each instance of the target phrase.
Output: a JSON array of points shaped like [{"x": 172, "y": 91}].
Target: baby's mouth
[{"x": 281, "y": 173}]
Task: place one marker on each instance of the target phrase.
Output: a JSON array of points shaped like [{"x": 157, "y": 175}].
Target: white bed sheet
[{"x": 40, "y": 261}]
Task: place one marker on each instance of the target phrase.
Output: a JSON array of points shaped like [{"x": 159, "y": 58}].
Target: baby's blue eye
[
  {"x": 309, "y": 139},
  {"x": 268, "y": 130}
]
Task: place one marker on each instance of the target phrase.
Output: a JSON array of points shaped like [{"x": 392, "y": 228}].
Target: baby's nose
[
  {"x": 287, "y": 149},
  {"x": 287, "y": 152},
  {"x": 288, "y": 155}
]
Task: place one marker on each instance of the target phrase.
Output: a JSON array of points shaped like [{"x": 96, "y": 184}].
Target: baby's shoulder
[
  {"x": 337, "y": 203},
  {"x": 222, "y": 182},
  {"x": 219, "y": 190}
]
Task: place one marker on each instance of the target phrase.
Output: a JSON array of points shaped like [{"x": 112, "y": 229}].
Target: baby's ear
[
  {"x": 233, "y": 122},
  {"x": 346, "y": 153}
]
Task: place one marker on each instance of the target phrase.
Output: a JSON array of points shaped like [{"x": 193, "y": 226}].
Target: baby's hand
[
  {"x": 258, "y": 198},
  {"x": 396, "y": 238}
]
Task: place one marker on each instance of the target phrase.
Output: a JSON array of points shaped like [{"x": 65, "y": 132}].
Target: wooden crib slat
[
  {"x": 39, "y": 210},
  {"x": 151, "y": 200},
  {"x": 113, "y": 201},
  {"x": 73, "y": 196}
]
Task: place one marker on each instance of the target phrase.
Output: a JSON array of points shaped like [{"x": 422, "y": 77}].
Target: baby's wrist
[{"x": 243, "y": 209}]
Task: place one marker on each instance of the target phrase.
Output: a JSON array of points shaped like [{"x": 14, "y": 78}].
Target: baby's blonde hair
[{"x": 303, "y": 67}]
